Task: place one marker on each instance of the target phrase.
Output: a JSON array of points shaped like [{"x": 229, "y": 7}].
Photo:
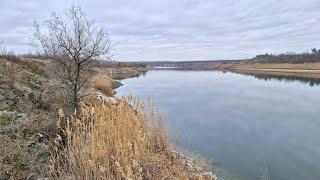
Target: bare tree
[{"x": 74, "y": 41}]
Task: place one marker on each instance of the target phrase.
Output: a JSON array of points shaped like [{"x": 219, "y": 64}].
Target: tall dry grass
[
  {"x": 128, "y": 141},
  {"x": 110, "y": 143}
]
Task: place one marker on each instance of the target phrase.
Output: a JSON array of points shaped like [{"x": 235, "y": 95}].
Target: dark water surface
[{"x": 240, "y": 121}]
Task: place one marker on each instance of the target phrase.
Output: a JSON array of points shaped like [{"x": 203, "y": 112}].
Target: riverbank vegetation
[
  {"x": 110, "y": 137},
  {"x": 127, "y": 141}
]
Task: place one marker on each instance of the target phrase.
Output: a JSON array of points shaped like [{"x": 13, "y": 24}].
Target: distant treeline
[
  {"x": 115, "y": 64},
  {"x": 313, "y": 56}
]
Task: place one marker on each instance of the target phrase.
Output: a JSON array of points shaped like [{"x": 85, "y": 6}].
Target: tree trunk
[
  {"x": 75, "y": 96},
  {"x": 76, "y": 87}
]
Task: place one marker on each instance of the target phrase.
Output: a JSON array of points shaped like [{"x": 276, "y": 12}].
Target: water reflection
[
  {"x": 310, "y": 81},
  {"x": 266, "y": 77},
  {"x": 240, "y": 121}
]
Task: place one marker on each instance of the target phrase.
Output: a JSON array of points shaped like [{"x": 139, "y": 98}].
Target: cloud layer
[{"x": 145, "y": 30}]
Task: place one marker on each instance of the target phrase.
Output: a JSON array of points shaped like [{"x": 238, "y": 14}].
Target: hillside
[{"x": 111, "y": 139}]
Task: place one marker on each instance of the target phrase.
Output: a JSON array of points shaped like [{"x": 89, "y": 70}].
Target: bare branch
[{"x": 74, "y": 41}]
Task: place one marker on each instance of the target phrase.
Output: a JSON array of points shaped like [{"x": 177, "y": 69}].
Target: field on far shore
[{"x": 304, "y": 70}]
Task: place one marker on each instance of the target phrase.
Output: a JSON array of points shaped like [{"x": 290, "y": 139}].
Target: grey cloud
[{"x": 182, "y": 29}]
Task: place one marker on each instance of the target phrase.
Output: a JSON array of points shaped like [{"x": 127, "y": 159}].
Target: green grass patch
[
  {"x": 32, "y": 80},
  {"x": 5, "y": 119}
]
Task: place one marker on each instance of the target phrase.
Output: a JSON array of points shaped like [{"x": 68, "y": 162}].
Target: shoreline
[
  {"x": 190, "y": 162},
  {"x": 301, "y": 72}
]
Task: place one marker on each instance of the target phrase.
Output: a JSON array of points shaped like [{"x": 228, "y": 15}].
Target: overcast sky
[{"x": 150, "y": 30}]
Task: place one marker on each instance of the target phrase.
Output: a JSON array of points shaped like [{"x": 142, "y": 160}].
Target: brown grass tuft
[{"x": 102, "y": 83}]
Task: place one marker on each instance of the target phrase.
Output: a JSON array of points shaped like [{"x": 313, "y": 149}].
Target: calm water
[{"x": 240, "y": 121}]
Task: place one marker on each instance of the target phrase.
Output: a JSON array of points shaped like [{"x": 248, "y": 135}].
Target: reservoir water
[{"x": 241, "y": 122}]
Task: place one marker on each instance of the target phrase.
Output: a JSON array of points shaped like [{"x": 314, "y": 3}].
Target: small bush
[{"x": 5, "y": 120}]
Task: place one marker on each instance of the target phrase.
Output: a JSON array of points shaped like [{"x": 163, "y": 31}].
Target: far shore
[{"x": 304, "y": 70}]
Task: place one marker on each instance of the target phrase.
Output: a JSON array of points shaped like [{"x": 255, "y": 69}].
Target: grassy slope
[
  {"x": 29, "y": 135},
  {"x": 23, "y": 118}
]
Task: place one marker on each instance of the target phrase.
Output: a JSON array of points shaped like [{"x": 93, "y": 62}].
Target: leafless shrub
[{"x": 74, "y": 41}]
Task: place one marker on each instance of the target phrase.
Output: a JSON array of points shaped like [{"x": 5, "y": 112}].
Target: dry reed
[
  {"x": 128, "y": 141},
  {"x": 109, "y": 143}
]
